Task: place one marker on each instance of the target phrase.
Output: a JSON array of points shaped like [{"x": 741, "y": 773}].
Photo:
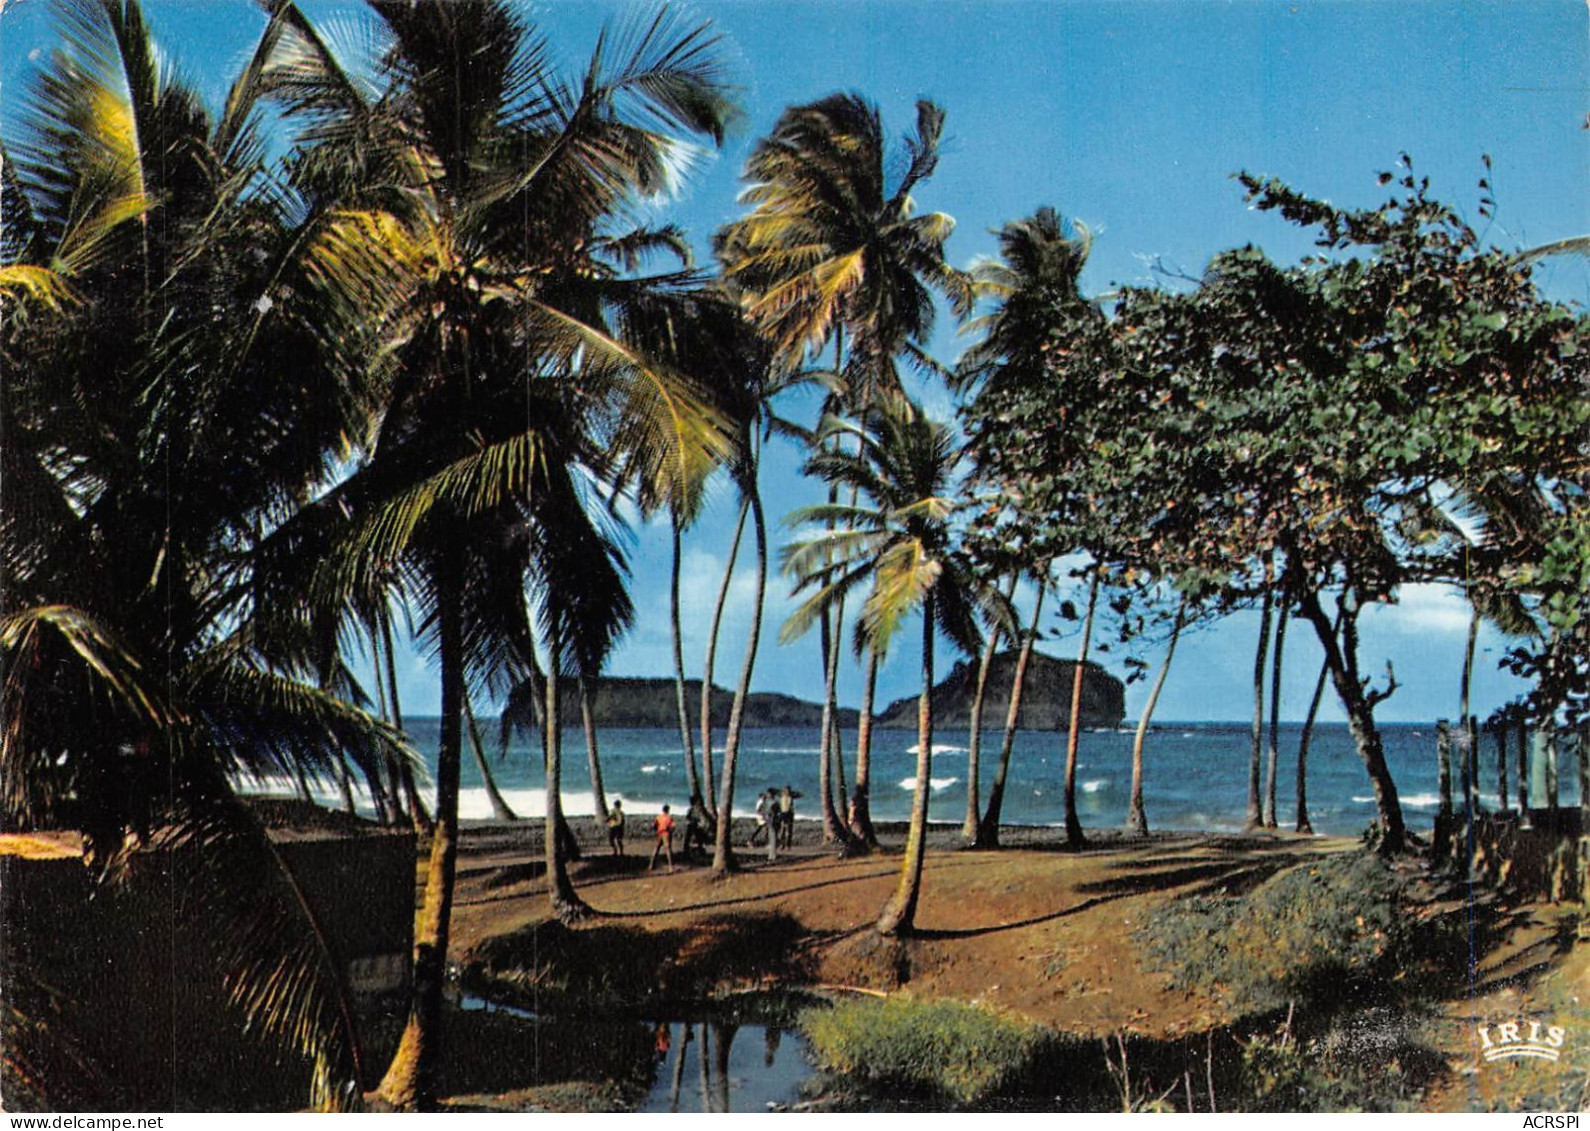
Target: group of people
[{"x": 775, "y": 819}]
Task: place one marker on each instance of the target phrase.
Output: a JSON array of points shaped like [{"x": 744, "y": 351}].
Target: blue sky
[{"x": 1131, "y": 117}]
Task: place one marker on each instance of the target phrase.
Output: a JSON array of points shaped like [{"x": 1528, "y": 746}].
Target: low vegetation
[
  {"x": 962, "y": 1053},
  {"x": 1323, "y": 932}
]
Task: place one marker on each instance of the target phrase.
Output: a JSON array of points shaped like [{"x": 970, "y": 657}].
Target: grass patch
[
  {"x": 963, "y": 1053},
  {"x": 1339, "y": 928}
]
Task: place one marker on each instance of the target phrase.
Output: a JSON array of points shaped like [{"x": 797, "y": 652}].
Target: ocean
[{"x": 1195, "y": 775}]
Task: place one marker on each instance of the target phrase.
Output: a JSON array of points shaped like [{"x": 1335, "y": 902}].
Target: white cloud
[{"x": 1422, "y": 609}]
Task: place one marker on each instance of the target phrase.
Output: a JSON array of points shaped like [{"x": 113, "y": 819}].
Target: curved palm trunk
[
  {"x": 899, "y": 914},
  {"x": 974, "y": 737},
  {"x": 988, "y": 832},
  {"x": 566, "y": 902},
  {"x": 1304, "y": 825},
  {"x": 1137, "y": 815},
  {"x": 712, "y": 655},
  {"x": 411, "y": 1078},
  {"x": 1273, "y": 754},
  {"x": 861, "y": 810},
  {"x": 1255, "y": 814},
  {"x": 499, "y": 807},
  {"x": 592, "y": 757},
  {"x": 1359, "y": 703},
  {"x": 1074, "y": 838},
  {"x": 686, "y": 741},
  {"x": 722, "y": 851}
]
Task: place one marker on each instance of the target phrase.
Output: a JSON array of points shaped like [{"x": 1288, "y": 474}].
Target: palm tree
[
  {"x": 466, "y": 244},
  {"x": 150, "y": 448},
  {"x": 1034, "y": 293},
  {"x": 901, "y": 540},
  {"x": 834, "y": 251}
]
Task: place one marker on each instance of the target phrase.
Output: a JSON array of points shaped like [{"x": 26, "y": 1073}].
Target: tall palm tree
[
  {"x": 901, "y": 540},
  {"x": 151, "y": 445},
  {"x": 833, "y": 252},
  {"x": 469, "y": 197},
  {"x": 1033, "y": 292}
]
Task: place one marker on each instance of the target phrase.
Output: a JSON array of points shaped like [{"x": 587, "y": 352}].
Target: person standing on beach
[
  {"x": 699, "y": 828},
  {"x": 785, "y": 825},
  {"x": 664, "y": 824},
  {"x": 766, "y": 817},
  {"x": 615, "y": 827}
]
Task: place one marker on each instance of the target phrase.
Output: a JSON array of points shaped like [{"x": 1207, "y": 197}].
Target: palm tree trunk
[
  {"x": 412, "y": 1076},
  {"x": 899, "y": 914},
  {"x": 566, "y": 902},
  {"x": 836, "y": 747},
  {"x": 499, "y": 807},
  {"x": 345, "y": 786},
  {"x": 1137, "y": 816},
  {"x": 833, "y": 634},
  {"x": 861, "y": 815},
  {"x": 385, "y": 813},
  {"x": 1273, "y": 755},
  {"x": 722, "y": 853},
  {"x": 686, "y": 741},
  {"x": 974, "y": 737},
  {"x": 592, "y": 758},
  {"x": 420, "y": 819},
  {"x": 1304, "y": 825},
  {"x": 1074, "y": 838},
  {"x": 1255, "y": 815},
  {"x": 988, "y": 831},
  {"x": 712, "y": 655}
]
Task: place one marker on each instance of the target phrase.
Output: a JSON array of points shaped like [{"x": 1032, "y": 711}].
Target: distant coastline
[{"x": 632, "y": 702}]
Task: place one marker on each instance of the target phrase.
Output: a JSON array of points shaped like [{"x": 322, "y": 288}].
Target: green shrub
[
  {"x": 1321, "y": 929},
  {"x": 965, "y": 1053},
  {"x": 1364, "y": 1061}
]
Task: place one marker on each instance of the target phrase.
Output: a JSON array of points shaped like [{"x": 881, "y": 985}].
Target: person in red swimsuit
[{"x": 664, "y": 824}]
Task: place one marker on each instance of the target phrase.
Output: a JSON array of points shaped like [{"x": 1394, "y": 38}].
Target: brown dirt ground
[{"x": 1031, "y": 928}]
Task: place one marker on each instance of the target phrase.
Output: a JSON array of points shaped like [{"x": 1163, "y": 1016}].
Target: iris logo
[{"x": 1515, "y": 1039}]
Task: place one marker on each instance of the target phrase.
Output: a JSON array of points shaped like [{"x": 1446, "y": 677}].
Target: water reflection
[
  {"x": 712, "y": 1065},
  {"x": 730, "y": 1073}
]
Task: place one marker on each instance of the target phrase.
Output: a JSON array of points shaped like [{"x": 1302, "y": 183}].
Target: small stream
[{"x": 714, "y": 1061}]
